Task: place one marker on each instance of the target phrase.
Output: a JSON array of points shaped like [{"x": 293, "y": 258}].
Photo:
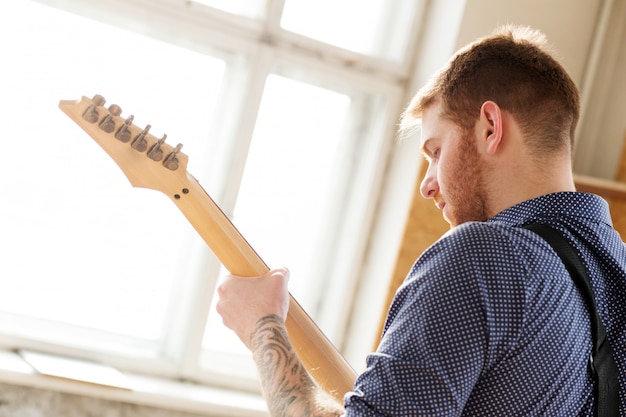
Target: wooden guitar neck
[{"x": 149, "y": 162}]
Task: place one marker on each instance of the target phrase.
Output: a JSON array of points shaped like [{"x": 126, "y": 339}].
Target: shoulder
[
  {"x": 466, "y": 292},
  {"x": 473, "y": 247},
  {"x": 476, "y": 269},
  {"x": 475, "y": 262},
  {"x": 482, "y": 235}
]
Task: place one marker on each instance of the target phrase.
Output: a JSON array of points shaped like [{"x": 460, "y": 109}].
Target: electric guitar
[{"x": 149, "y": 162}]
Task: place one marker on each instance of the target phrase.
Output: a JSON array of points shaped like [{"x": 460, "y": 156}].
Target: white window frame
[{"x": 269, "y": 49}]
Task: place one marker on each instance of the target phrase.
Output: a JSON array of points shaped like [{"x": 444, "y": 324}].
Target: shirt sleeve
[{"x": 448, "y": 323}]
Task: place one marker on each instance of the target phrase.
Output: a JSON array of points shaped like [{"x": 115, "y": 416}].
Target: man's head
[
  {"x": 514, "y": 68},
  {"x": 506, "y": 95}
]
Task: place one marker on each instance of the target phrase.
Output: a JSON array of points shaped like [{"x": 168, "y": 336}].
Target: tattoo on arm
[{"x": 288, "y": 388}]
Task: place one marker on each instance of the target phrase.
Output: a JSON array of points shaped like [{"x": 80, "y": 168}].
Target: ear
[{"x": 490, "y": 125}]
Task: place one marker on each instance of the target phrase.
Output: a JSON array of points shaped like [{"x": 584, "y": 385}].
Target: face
[{"x": 456, "y": 174}]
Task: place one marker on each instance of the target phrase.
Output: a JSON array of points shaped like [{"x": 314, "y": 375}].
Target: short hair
[{"x": 513, "y": 67}]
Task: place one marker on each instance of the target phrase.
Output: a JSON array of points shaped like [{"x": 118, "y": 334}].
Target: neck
[{"x": 520, "y": 182}]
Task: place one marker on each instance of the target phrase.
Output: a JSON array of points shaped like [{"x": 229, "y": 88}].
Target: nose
[{"x": 429, "y": 186}]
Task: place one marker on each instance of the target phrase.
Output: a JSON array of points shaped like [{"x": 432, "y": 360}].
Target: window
[
  {"x": 375, "y": 27},
  {"x": 290, "y": 144},
  {"x": 247, "y": 8}
]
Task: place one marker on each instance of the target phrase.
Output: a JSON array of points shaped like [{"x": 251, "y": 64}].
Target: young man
[{"x": 488, "y": 321}]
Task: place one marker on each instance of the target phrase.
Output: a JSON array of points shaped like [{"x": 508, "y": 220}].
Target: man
[{"x": 488, "y": 321}]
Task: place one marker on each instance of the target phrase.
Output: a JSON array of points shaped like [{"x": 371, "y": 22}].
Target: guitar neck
[
  {"x": 151, "y": 163},
  {"x": 317, "y": 353}
]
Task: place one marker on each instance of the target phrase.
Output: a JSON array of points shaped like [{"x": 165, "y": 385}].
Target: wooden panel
[
  {"x": 618, "y": 204},
  {"x": 620, "y": 175}
]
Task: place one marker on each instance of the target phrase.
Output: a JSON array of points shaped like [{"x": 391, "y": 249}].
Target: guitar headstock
[{"x": 147, "y": 161}]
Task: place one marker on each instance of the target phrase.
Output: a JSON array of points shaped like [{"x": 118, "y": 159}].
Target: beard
[{"x": 467, "y": 196}]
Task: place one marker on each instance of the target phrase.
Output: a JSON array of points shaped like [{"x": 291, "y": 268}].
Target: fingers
[{"x": 243, "y": 301}]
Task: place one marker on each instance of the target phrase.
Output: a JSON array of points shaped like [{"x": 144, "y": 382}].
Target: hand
[{"x": 243, "y": 301}]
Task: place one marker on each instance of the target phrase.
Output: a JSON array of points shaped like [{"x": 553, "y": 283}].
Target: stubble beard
[{"x": 467, "y": 193}]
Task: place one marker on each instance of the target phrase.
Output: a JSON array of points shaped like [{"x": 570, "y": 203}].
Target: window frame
[{"x": 268, "y": 49}]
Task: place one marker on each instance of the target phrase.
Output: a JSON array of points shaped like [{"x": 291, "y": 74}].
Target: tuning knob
[
  {"x": 98, "y": 100},
  {"x": 139, "y": 143},
  {"x": 91, "y": 114},
  {"x": 108, "y": 124},
  {"x": 171, "y": 162},
  {"x": 156, "y": 153},
  {"x": 123, "y": 133}
]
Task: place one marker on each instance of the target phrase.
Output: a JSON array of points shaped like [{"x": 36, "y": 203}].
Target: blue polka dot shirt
[{"x": 489, "y": 323}]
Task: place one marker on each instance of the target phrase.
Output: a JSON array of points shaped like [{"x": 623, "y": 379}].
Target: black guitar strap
[{"x": 601, "y": 363}]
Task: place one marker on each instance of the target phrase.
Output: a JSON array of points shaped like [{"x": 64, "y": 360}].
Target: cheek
[{"x": 446, "y": 172}]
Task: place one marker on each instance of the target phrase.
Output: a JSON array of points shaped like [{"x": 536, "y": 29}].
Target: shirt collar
[{"x": 561, "y": 204}]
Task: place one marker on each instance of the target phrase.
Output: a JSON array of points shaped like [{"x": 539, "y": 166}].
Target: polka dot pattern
[{"x": 489, "y": 323}]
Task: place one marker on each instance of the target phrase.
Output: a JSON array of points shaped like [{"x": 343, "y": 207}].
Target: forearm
[{"x": 287, "y": 386}]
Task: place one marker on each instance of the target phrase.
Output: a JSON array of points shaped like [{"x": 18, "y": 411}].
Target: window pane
[
  {"x": 372, "y": 27},
  {"x": 248, "y": 8},
  {"x": 79, "y": 244},
  {"x": 282, "y": 205}
]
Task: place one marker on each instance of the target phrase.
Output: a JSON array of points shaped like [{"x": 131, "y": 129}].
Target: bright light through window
[
  {"x": 79, "y": 244},
  {"x": 247, "y": 8},
  {"x": 297, "y": 143},
  {"x": 291, "y": 142},
  {"x": 373, "y": 27},
  {"x": 340, "y": 26}
]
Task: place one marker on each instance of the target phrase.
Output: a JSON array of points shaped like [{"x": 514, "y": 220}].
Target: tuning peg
[
  {"x": 115, "y": 110},
  {"x": 123, "y": 133},
  {"x": 91, "y": 113},
  {"x": 171, "y": 162},
  {"x": 108, "y": 124},
  {"x": 139, "y": 143},
  {"x": 98, "y": 100},
  {"x": 156, "y": 153}
]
